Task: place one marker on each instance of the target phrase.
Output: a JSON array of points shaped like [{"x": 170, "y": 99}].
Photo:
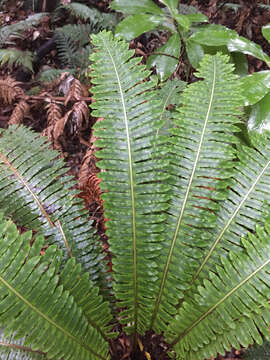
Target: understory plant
[
  {"x": 189, "y": 35},
  {"x": 187, "y": 220}
]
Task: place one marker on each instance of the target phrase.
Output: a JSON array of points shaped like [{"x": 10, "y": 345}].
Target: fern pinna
[{"x": 187, "y": 212}]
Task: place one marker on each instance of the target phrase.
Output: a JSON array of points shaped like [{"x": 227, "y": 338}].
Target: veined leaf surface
[
  {"x": 132, "y": 173},
  {"x": 200, "y": 168}
]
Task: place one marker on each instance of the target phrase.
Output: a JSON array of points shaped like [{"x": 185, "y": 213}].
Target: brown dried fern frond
[
  {"x": 75, "y": 91},
  {"x": 19, "y": 113},
  {"x": 10, "y": 90},
  {"x": 54, "y": 113},
  {"x": 88, "y": 167},
  {"x": 81, "y": 115}
]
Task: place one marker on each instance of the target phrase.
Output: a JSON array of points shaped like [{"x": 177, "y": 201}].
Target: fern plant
[{"x": 187, "y": 214}]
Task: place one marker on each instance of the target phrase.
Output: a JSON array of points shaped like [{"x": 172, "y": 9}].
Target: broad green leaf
[
  {"x": 266, "y": 32},
  {"x": 259, "y": 119},
  {"x": 183, "y": 21},
  {"x": 140, "y": 7},
  {"x": 195, "y": 52},
  {"x": 240, "y": 62},
  {"x": 165, "y": 65},
  {"x": 243, "y": 45},
  {"x": 216, "y": 35},
  {"x": 171, "y": 4},
  {"x": 135, "y": 25},
  {"x": 197, "y": 17},
  {"x": 213, "y": 35},
  {"x": 255, "y": 86}
]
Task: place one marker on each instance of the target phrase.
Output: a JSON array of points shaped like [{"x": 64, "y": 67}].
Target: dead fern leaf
[
  {"x": 10, "y": 90},
  {"x": 78, "y": 119},
  {"x": 54, "y": 113},
  {"x": 75, "y": 92},
  {"x": 88, "y": 167},
  {"x": 81, "y": 115},
  {"x": 19, "y": 113}
]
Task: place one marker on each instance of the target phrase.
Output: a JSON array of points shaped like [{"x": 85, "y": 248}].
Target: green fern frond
[
  {"x": 87, "y": 297},
  {"x": 133, "y": 193},
  {"x": 79, "y": 34},
  {"x": 34, "y": 195},
  {"x": 170, "y": 96},
  {"x": 83, "y": 12},
  {"x": 15, "y": 57},
  {"x": 67, "y": 49},
  {"x": 200, "y": 167},
  {"x": 15, "y": 349},
  {"x": 70, "y": 42},
  {"x": 30, "y": 303},
  {"x": 16, "y": 29},
  {"x": 245, "y": 206},
  {"x": 246, "y": 331},
  {"x": 238, "y": 287}
]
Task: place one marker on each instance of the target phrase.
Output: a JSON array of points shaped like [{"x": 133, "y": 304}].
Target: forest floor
[{"x": 37, "y": 105}]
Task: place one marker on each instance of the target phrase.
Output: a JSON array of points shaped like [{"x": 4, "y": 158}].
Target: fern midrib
[
  {"x": 37, "y": 200},
  {"x": 220, "y": 235},
  {"x": 134, "y": 239},
  {"x": 32, "y": 307},
  {"x": 20, "y": 347},
  {"x": 224, "y": 298},
  {"x": 180, "y": 218},
  {"x": 65, "y": 238},
  {"x": 25, "y": 183}
]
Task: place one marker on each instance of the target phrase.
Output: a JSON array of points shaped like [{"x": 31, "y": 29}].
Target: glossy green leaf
[
  {"x": 259, "y": 119},
  {"x": 240, "y": 62},
  {"x": 197, "y": 17},
  {"x": 241, "y": 44},
  {"x": 165, "y": 65},
  {"x": 266, "y": 32},
  {"x": 183, "y": 21},
  {"x": 171, "y": 4},
  {"x": 217, "y": 35},
  {"x": 136, "y": 7},
  {"x": 256, "y": 86},
  {"x": 135, "y": 25},
  {"x": 195, "y": 53},
  {"x": 213, "y": 35}
]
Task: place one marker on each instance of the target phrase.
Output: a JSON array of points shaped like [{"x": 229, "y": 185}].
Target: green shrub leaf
[
  {"x": 165, "y": 65},
  {"x": 136, "y": 7}
]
